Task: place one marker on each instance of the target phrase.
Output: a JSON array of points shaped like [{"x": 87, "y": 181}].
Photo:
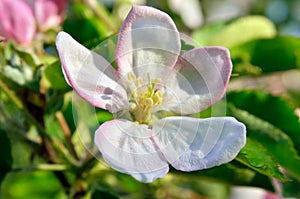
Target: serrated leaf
[
  {"x": 5, "y": 155},
  {"x": 257, "y": 157},
  {"x": 270, "y": 55},
  {"x": 273, "y": 109},
  {"x": 273, "y": 139}
]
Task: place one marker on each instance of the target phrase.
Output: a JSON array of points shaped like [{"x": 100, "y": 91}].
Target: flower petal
[
  {"x": 128, "y": 148},
  {"x": 147, "y": 38},
  {"x": 200, "y": 79},
  {"x": 192, "y": 144},
  {"x": 90, "y": 75},
  {"x": 17, "y": 21}
]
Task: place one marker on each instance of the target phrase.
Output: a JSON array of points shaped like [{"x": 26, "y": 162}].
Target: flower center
[{"x": 143, "y": 99}]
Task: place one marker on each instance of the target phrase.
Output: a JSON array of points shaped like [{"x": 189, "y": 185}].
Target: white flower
[{"x": 151, "y": 79}]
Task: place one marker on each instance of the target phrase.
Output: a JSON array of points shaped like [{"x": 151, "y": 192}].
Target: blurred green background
[{"x": 36, "y": 104}]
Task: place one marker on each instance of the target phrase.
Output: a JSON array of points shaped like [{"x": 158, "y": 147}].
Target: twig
[
  {"x": 95, "y": 7},
  {"x": 45, "y": 167},
  {"x": 47, "y": 140},
  {"x": 66, "y": 130}
]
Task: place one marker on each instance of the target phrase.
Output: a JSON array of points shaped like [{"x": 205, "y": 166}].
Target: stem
[
  {"x": 15, "y": 129},
  {"x": 11, "y": 95},
  {"x": 18, "y": 103},
  {"x": 98, "y": 10},
  {"x": 64, "y": 151},
  {"x": 66, "y": 130},
  {"x": 44, "y": 167},
  {"x": 47, "y": 140}
]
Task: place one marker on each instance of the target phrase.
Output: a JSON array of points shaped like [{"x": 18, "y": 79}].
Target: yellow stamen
[
  {"x": 144, "y": 100},
  {"x": 131, "y": 77},
  {"x": 139, "y": 82}
]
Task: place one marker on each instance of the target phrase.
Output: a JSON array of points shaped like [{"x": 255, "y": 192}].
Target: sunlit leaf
[
  {"x": 205, "y": 34},
  {"x": 237, "y": 32},
  {"x": 33, "y": 185},
  {"x": 270, "y": 55}
]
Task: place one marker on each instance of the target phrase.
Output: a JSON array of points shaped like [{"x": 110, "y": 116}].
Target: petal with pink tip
[
  {"x": 191, "y": 144},
  {"x": 128, "y": 147},
  {"x": 147, "y": 38},
  {"x": 199, "y": 80},
  {"x": 90, "y": 75},
  {"x": 17, "y": 21}
]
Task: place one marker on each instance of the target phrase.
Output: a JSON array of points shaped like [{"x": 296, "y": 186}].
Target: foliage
[{"x": 44, "y": 156}]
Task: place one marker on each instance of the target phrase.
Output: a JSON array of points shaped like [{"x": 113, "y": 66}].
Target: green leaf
[
  {"x": 233, "y": 173},
  {"x": 273, "y": 139},
  {"x": 93, "y": 19},
  {"x": 5, "y": 155},
  {"x": 33, "y": 185},
  {"x": 270, "y": 55},
  {"x": 52, "y": 77},
  {"x": 204, "y": 35},
  {"x": 107, "y": 48},
  {"x": 27, "y": 57},
  {"x": 185, "y": 46},
  {"x": 104, "y": 193},
  {"x": 257, "y": 157},
  {"x": 237, "y": 32},
  {"x": 274, "y": 110}
]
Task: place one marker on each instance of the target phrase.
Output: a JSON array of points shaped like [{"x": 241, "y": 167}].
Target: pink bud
[
  {"x": 270, "y": 195},
  {"x": 17, "y": 21},
  {"x": 48, "y": 13}
]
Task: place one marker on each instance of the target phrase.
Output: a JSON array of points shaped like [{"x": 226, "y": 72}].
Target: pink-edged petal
[
  {"x": 191, "y": 144},
  {"x": 148, "y": 38},
  {"x": 90, "y": 75},
  {"x": 200, "y": 80},
  {"x": 17, "y": 21},
  {"x": 128, "y": 147},
  {"x": 244, "y": 192}
]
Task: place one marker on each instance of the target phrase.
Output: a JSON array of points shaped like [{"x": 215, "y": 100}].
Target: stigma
[{"x": 143, "y": 98}]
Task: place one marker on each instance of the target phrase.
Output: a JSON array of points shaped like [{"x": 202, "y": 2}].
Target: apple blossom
[
  {"x": 18, "y": 18},
  {"x": 152, "y": 79},
  {"x": 48, "y": 13},
  {"x": 17, "y": 21},
  {"x": 238, "y": 192}
]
